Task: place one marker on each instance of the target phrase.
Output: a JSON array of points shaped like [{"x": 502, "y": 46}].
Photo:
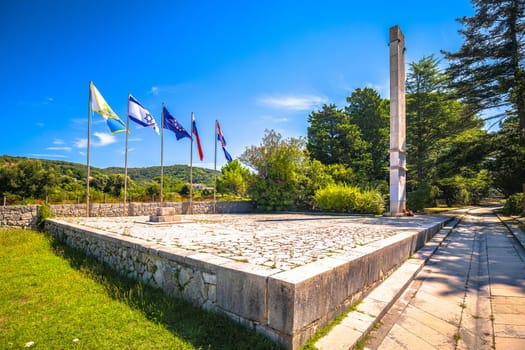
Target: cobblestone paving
[{"x": 282, "y": 241}]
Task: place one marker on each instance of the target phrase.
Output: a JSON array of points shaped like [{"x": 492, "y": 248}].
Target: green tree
[
  {"x": 325, "y": 134},
  {"x": 370, "y": 113},
  {"x": 333, "y": 139},
  {"x": 434, "y": 120},
  {"x": 233, "y": 179},
  {"x": 507, "y": 158},
  {"x": 487, "y": 72},
  {"x": 115, "y": 184},
  {"x": 279, "y": 171},
  {"x": 426, "y": 120}
]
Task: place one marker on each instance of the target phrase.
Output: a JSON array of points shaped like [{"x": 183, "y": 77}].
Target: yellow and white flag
[{"x": 100, "y": 106}]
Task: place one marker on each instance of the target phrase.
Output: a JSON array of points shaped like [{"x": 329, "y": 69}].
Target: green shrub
[
  {"x": 349, "y": 199},
  {"x": 43, "y": 214},
  {"x": 514, "y": 204},
  {"x": 423, "y": 197},
  {"x": 371, "y": 201}
]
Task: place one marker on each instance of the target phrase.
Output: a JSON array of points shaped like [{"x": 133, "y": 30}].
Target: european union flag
[{"x": 172, "y": 124}]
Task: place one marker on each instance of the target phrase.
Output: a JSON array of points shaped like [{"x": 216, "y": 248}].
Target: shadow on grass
[{"x": 205, "y": 330}]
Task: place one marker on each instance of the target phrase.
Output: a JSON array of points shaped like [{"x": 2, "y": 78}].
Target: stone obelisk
[{"x": 397, "y": 122}]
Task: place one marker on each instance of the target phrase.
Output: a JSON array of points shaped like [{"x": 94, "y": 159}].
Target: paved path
[{"x": 470, "y": 295}]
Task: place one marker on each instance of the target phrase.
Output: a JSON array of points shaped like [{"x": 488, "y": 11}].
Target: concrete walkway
[{"x": 469, "y": 294}]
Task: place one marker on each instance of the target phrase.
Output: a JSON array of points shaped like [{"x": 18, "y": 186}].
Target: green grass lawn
[{"x": 55, "y": 297}]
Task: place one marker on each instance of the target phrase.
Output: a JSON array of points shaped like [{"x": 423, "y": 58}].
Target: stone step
[{"x": 164, "y": 218}]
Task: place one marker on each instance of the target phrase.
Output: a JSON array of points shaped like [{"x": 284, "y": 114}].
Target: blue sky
[{"x": 253, "y": 65}]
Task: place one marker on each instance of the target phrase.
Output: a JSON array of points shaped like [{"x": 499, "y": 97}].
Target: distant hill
[
  {"x": 79, "y": 171},
  {"x": 179, "y": 172}
]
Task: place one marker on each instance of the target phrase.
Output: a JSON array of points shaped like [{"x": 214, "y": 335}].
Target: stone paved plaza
[{"x": 281, "y": 241}]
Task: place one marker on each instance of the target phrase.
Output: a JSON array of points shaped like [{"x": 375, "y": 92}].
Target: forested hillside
[{"x": 25, "y": 180}]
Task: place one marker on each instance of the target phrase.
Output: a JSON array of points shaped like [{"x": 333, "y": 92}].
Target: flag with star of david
[{"x": 141, "y": 115}]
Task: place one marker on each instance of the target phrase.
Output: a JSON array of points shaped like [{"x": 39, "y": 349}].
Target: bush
[
  {"x": 44, "y": 213},
  {"x": 349, "y": 199},
  {"x": 423, "y": 197},
  {"x": 514, "y": 204}
]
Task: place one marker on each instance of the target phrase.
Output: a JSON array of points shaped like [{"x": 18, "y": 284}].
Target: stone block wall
[
  {"x": 286, "y": 306},
  {"x": 23, "y": 216},
  {"x": 26, "y": 215}
]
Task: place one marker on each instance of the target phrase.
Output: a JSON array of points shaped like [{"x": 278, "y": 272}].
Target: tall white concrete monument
[{"x": 397, "y": 122}]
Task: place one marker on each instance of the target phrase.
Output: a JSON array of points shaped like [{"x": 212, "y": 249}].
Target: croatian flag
[
  {"x": 141, "y": 115},
  {"x": 223, "y": 143},
  {"x": 196, "y": 133}
]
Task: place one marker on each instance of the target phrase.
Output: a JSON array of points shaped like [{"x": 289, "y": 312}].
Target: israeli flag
[{"x": 141, "y": 115}]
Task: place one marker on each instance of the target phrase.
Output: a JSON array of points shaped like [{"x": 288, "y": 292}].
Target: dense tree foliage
[
  {"x": 332, "y": 139},
  {"x": 370, "y": 113},
  {"x": 507, "y": 159},
  {"x": 233, "y": 179},
  {"x": 488, "y": 74},
  {"x": 446, "y": 145},
  {"x": 26, "y": 179},
  {"x": 488, "y": 70},
  {"x": 355, "y": 137},
  {"x": 279, "y": 171}
]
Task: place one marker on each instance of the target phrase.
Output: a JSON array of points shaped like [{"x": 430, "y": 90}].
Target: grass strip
[{"x": 56, "y": 297}]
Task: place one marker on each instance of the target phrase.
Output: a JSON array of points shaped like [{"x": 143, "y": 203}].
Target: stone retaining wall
[
  {"x": 287, "y": 306},
  {"x": 25, "y": 216}
]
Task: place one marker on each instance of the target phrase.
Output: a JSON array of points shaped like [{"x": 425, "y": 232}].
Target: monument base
[{"x": 165, "y": 215}]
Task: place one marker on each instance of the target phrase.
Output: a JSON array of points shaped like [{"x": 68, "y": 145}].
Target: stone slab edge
[
  {"x": 357, "y": 324},
  {"x": 516, "y": 232}
]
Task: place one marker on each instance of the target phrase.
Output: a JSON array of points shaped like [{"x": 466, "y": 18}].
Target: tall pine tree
[{"x": 488, "y": 70}]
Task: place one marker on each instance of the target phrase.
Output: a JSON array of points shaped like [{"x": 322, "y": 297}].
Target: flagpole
[
  {"x": 162, "y": 153},
  {"x": 190, "y": 209},
  {"x": 126, "y": 161},
  {"x": 215, "y": 171},
  {"x": 88, "y": 150}
]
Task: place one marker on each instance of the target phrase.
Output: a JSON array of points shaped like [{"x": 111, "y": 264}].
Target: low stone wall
[
  {"x": 25, "y": 216},
  {"x": 287, "y": 306}
]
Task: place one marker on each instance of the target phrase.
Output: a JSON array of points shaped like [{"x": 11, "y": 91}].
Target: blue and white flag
[{"x": 141, "y": 115}]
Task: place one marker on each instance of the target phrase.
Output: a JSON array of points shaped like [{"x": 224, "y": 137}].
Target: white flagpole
[
  {"x": 88, "y": 151},
  {"x": 215, "y": 170},
  {"x": 190, "y": 209},
  {"x": 126, "y": 162},
  {"x": 162, "y": 153}
]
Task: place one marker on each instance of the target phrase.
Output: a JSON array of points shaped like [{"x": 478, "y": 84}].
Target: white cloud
[
  {"x": 46, "y": 155},
  {"x": 297, "y": 103},
  {"x": 80, "y": 143},
  {"x": 154, "y": 90},
  {"x": 40, "y": 124},
  {"x": 58, "y": 142},
  {"x": 274, "y": 119},
  {"x": 64, "y": 148},
  {"x": 104, "y": 139}
]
